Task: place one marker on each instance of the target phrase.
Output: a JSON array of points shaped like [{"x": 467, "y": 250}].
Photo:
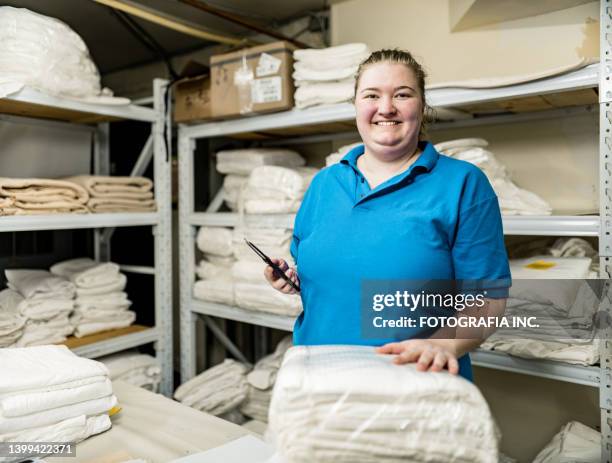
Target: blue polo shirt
[{"x": 438, "y": 220}]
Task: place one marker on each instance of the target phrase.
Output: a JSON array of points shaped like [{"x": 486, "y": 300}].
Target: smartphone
[{"x": 276, "y": 268}]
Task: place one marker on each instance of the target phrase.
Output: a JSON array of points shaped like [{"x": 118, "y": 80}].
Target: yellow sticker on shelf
[{"x": 540, "y": 265}]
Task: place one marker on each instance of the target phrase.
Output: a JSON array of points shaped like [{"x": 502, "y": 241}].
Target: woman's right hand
[{"x": 277, "y": 282}]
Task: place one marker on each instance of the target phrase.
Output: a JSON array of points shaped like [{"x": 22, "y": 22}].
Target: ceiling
[{"x": 114, "y": 47}]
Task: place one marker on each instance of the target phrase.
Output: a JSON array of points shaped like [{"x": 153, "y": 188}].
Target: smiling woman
[{"x": 394, "y": 209}]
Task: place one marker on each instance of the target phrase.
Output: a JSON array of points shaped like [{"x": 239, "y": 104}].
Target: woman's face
[{"x": 389, "y": 109}]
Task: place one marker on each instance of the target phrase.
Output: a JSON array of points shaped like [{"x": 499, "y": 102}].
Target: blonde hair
[{"x": 397, "y": 56}]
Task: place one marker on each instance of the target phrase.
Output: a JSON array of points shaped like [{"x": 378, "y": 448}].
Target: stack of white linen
[
  {"x": 553, "y": 290},
  {"x": 276, "y": 190},
  {"x": 117, "y": 194},
  {"x": 574, "y": 443},
  {"x": 347, "y": 403},
  {"x": 251, "y": 290},
  {"x": 216, "y": 283},
  {"x": 512, "y": 199},
  {"x": 131, "y": 367},
  {"x": 218, "y": 390},
  {"x": 261, "y": 381},
  {"x": 45, "y": 300},
  {"x": 101, "y": 304},
  {"x": 327, "y": 76},
  {"x": 27, "y": 196},
  {"x": 238, "y": 165},
  {"x": 12, "y": 323},
  {"x": 46, "y": 54},
  {"x": 48, "y": 394}
]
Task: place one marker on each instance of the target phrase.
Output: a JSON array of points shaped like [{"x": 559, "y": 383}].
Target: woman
[{"x": 393, "y": 209}]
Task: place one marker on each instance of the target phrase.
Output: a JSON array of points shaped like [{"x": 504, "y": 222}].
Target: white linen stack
[
  {"x": 327, "y": 76},
  {"x": 216, "y": 284},
  {"x": 45, "y": 300},
  {"x": 218, "y": 390},
  {"x": 347, "y": 403},
  {"x": 28, "y": 196},
  {"x": 117, "y": 194},
  {"x": 44, "y": 53},
  {"x": 276, "y": 190},
  {"x": 261, "y": 381},
  {"x": 48, "y": 394},
  {"x": 553, "y": 290},
  {"x": 12, "y": 322},
  {"x": 574, "y": 443},
  {"x": 512, "y": 199},
  {"x": 101, "y": 304},
  {"x": 238, "y": 164},
  {"x": 131, "y": 367}
]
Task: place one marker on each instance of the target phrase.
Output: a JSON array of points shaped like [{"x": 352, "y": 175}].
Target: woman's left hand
[{"x": 428, "y": 354}]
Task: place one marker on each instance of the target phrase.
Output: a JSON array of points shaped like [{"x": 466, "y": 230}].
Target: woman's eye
[
  {"x": 403, "y": 95},
  {"x": 370, "y": 96}
]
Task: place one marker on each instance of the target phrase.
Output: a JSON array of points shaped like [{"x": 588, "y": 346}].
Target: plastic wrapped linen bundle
[
  {"x": 512, "y": 199},
  {"x": 44, "y": 53},
  {"x": 243, "y": 161},
  {"x": 276, "y": 190},
  {"x": 575, "y": 443},
  {"x": 216, "y": 283},
  {"x": 327, "y": 76},
  {"x": 348, "y": 404},
  {"x": 232, "y": 186}
]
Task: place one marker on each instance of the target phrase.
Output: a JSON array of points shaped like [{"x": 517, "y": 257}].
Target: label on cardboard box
[
  {"x": 267, "y": 90},
  {"x": 267, "y": 65}
]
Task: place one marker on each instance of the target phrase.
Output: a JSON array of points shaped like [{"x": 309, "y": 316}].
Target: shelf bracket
[{"x": 225, "y": 340}]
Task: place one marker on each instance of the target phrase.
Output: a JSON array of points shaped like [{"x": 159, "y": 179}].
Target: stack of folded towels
[
  {"x": 348, "y": 403},
  {"x": 261, "y": 381},
  {"x": 45, "y": 300},
  {"x": 117, "y": 194},
  {"x": 12, "y": 323},
  {"x": 21, "y": 196},
  {"x": 131, "y": 367},
  {"x": 251, "y": 290},
  {"x": 218, "y": 390},
  {"x": 238, "y": 164},
  {"x": 327, "y": 76},
  {"x": 216, "y": 283},
  {"x": 276, "y": 190},
  {"x": 101, "y": 304},
  {"x": 575, "y": 443},
  {"x": 554, "y": 290},
  {"x": 48, "y": 394},
  {"x": 512, "y": 199}
]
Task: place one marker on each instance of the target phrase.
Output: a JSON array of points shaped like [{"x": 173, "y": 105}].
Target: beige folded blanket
[
  {"x": 99, "y": 186},
  {"x": 121, "y": 205},
  {"x": 42, "y": 190}
]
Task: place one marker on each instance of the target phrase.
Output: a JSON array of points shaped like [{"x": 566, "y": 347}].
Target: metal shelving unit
[
  {"x": 33, "y": 107},
  {"x": 321, "y": 120}
]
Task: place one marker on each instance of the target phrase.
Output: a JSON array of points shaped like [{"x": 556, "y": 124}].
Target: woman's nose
[{"x": 385, "y": 106}]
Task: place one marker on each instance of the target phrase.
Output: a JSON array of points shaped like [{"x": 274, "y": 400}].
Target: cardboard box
[
  {"x": 252, "y": 80},
  {"x": 192, "y": 99}
]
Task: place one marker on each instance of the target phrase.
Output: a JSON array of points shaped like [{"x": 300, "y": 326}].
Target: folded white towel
[
  {"x": 52, "y": 331},
  {"x": 115, "y": 300},
  {"x": 84, "y": 326},
  {"x": 274, "y": 182},
  {"x": 87, "y": 273},
  {"x": 262, "y": 297},
  {"x": 326, "y": 58},
  {"x": 117, "y": 285},
  {"x": 312, "y": 94},
  {"x": 55, "y": 415},
  {"x": 304, "y": 73},
  {"x": 209, "y": 271},
  {"x": 221, "y": 291},
  {"x": 215, "y": 240},
  {"x": 11, "y": 319},
  {"x": 249, "y": 270},
  {"x": 39, "y": 283},
  {"x": 243, "y": 161},
  {"x": 40, "y": 191},
  {"x": 115, "y": 187},
  {"x": 20, "y": 404}
]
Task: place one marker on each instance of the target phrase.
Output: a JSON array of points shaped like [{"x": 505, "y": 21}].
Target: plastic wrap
[
  {"x": 243, "y": 161},
  {"x": 348, "y": 404},
  {"x": 44, "y": 53},
  {"x": 215, "y": 240}
]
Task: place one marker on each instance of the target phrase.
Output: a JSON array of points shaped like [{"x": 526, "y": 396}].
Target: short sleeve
[{"x": 478, "y": 252}]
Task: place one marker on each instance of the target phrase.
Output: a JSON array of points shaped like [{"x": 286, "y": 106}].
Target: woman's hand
[
  {"x": 428, "y": 354},
  {"x": 277, "y": 282}
]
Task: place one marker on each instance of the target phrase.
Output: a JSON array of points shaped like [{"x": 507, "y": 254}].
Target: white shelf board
[
  {"x": 270, "y": 320},
  {"x": 34, "y": 97},
  {"x": 586, "y": 77},
  {"x": 67, "y": 221},
  {"x": 588, "y": 376},
  {"x": 118, "y": 344},
  {"x": 513, "y": 225},
  {"x": 551, "y": 225},
  {"x": 232, "y": 219}
]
